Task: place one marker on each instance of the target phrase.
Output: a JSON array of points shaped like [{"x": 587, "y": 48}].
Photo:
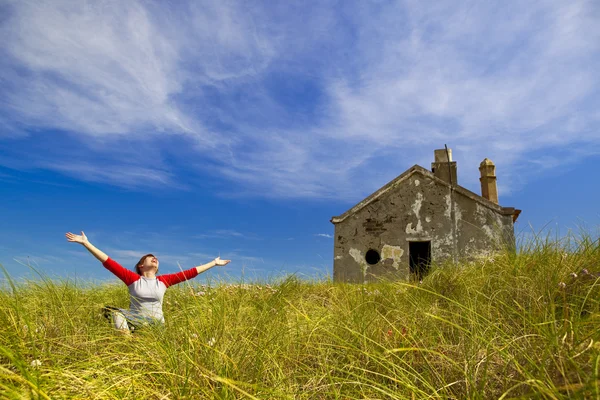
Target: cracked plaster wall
[{"x": 417, "y": 209}]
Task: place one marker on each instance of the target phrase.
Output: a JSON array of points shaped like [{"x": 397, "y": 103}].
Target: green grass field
[{"x": 515, "y": 326}]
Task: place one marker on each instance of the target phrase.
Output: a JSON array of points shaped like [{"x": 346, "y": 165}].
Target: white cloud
[
  {"x": 94, "y": 69},
  {"x": 37, "y": 261},
  {"x": 325, "y": 235},
  {"x": 515, "y": 82},
  {"x": 225, "y": 234},
  {"x": 130, "y": 176},
  {"x": 125, "y": 253},
  {"x": 506, "y": 82},
  {"x": 115, "y": 69}
]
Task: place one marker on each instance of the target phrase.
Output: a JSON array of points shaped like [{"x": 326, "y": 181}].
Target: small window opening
[
  {"x": 372, "y": 257},
  {"x": 420, "y": 258}
]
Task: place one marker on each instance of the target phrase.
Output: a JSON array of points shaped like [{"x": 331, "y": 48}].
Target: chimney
[
  {"x": 488, "y": 180},
  {"x": 443, "y": 167}
]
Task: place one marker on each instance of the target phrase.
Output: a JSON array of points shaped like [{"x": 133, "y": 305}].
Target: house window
[
  {"x": 372, "y": 257},
  {"x": 419, "y": 258}
]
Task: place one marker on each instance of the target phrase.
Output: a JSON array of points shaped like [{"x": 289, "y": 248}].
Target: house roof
[{"x": 418, "y": 170}]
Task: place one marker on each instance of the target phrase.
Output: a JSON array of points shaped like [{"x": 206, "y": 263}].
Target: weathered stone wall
[
  {"x": 417, "y": 209},
  {"x": 481, "y": 231}
]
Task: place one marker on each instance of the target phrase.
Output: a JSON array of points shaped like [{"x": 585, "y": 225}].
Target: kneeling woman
[{"x": 146, "y": 290}]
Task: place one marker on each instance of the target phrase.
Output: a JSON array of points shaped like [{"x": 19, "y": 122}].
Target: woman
[{"x": 146, "y": 290}]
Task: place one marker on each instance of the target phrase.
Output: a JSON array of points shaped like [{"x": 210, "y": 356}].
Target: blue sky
[{"x": 193, "y": 129}]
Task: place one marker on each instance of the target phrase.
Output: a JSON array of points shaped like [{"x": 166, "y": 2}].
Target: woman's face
[{"x": 150, "y": 263}]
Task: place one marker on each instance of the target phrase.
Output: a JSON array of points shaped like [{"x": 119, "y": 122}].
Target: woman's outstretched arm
[
  {"x": 216, "y": 261},
  {"x": 174, "y": 279},
  {"x": 123, "y": 274},
  {"x": 82, "y": 239}
]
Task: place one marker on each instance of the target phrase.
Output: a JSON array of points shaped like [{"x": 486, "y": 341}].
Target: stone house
[{"x": 418, "y": 218}]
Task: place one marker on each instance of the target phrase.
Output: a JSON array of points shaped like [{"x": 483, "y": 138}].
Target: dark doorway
[{"x": 420, "y": 258}]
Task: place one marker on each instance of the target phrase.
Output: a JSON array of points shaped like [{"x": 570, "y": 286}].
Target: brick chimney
[
  {"x": 489, "y": 190},
  {"x": 443, "y": 167}
]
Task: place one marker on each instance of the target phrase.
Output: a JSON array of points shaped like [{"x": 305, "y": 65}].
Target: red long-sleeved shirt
[{"x": 146, "y": 294}]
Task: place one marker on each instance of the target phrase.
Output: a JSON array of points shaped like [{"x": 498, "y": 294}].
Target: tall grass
[{"x": 515, "y": 326}]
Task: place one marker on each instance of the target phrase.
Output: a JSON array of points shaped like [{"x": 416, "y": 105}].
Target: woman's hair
[{"x": 141, "y": 262}]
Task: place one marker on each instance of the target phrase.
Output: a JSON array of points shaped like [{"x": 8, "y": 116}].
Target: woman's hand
[
  {"x": 220, "y": 262},
  {"x": 216, "y": 262},
  {"x": 71, "y": 237},
  {"x": 77, "y": 238}
]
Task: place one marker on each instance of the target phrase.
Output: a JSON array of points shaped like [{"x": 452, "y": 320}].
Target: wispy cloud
[
  {"x": 294, "y": 101},
  {"x": 129, "y": 176},
  {"x": 125, "y": 253},
  {"x": 226, "y": 234},
  {"x": 325, "y": 235},
  {"x": 234, "y": 256},
  {"x": 38, "y": 260}
]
